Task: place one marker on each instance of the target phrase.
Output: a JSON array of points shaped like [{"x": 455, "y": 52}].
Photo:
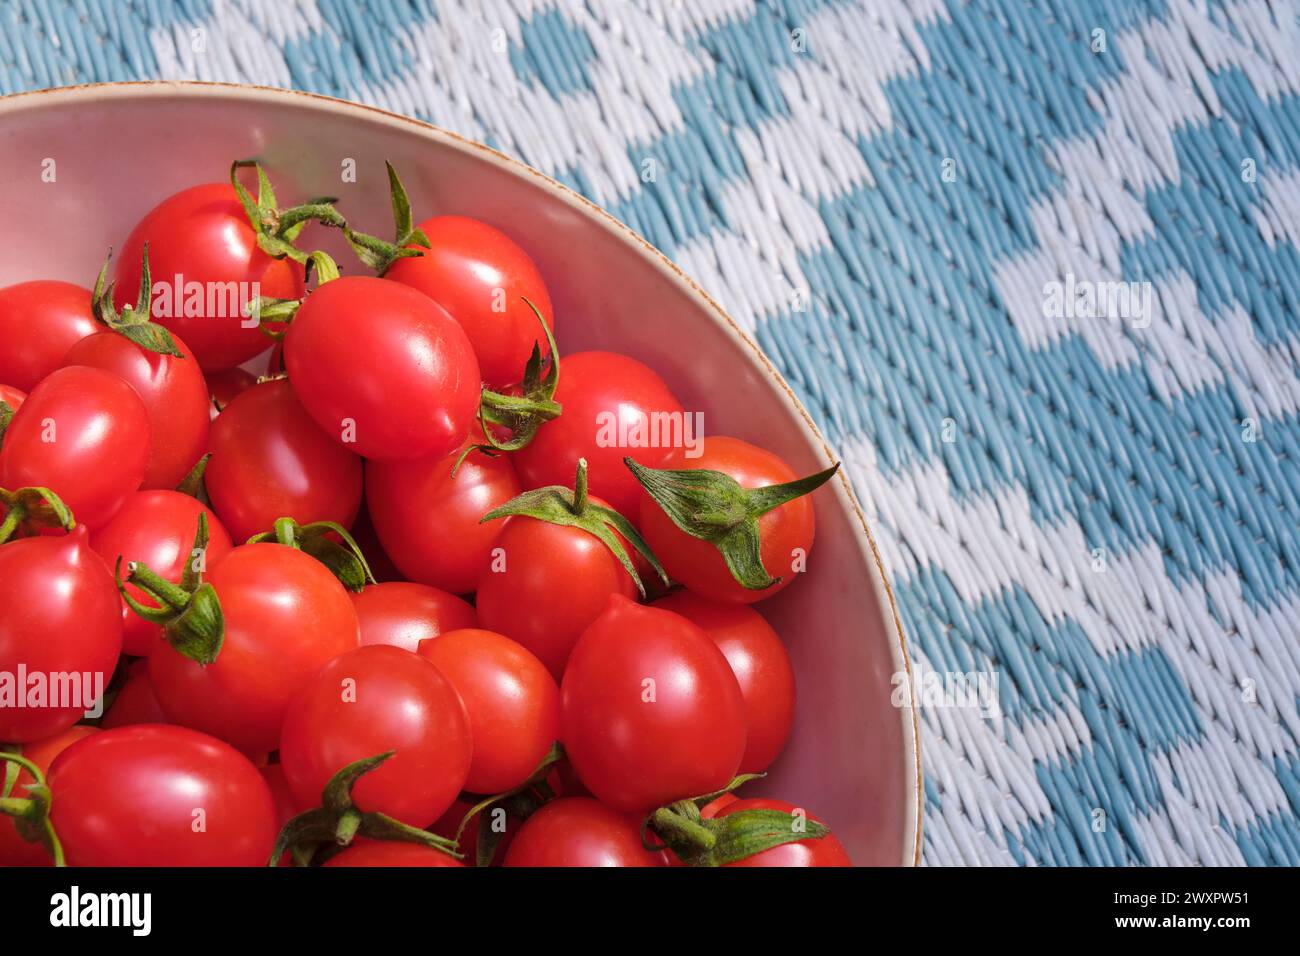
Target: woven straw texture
[{"x": 1089, "y": 491}]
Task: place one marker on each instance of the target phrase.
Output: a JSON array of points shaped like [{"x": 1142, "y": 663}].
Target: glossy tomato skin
[
  {"x": 762, "y": 668},
  {"x": 579, "y": 831},
  {"x": 634, "y": 753},
  {"x": 202, "y": 235},
  {"x": 511, "y": 699},
  {"x": 545, "y": 583},
  {"x": 100, "y": 446},
  {"x": 271, "y": 461},
  {"x": 391, "y": 853},
  {"x": 174, "y": 394},
  {"x": 786, "y": 532},
  {"x": 480, "y": 276},
  {"x": 285, "y": 617},
  {"x": 14, "y": 850},
  {"x": 607, "y": 398},
  {"x": 127, "y": 797},
  {"x": 366, "y": 702},
  {"x": 156, "y": 528},
  {"x": 59, "y": 614},
  {"x": 39, "y": 322},
  {"x": 825, "y": 851},
  {"x": 403, "y": 614},
  {"x": 416, "y": 507},
  {"x": 417, "y": 392},
  {"x": 13, "y": 397},
  {"x": 135, "y": 703}
]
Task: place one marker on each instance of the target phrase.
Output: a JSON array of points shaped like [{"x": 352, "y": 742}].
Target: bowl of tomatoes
[{"x": 422, "y": 499}]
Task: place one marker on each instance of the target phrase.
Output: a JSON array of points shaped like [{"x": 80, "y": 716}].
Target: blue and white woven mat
[{"x": 1090, "y": 488}]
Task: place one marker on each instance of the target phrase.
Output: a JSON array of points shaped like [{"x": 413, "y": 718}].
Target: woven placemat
[{"x": 1032, "y": 264}]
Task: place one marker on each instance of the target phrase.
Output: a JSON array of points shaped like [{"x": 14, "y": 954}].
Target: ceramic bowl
[{"x": 113, "y": 151}]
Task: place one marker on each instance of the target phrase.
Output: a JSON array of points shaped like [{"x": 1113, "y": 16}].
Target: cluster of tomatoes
[{"x": 405, "y": 599}]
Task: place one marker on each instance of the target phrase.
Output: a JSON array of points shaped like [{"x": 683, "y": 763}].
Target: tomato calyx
[
  {"x": 315, "y": 834},
  {"x": 521, "y": 802},
  {"x": 192, "y": 484},
  {"x": 380, "y": 254},
  {"x": 345, "y": 561},
  {"x": 268, "y": 310},
  {"x": 722, "y": 840},
  {"x": 559, "y": 505},
  {"x": 31, "y": 814},
  {"x": 713, "y": 507},
  {"x": 520, "y": 415},
  {"x": 32, "y": 508},
  {"x": 135, "y": 322},
  {"x": 277, "y": 229},
  {"x": 6, "y": 416},
  {"x": 189, "y": 612}
]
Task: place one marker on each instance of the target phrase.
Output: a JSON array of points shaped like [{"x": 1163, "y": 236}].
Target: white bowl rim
[{"x": 618, "y": 230}]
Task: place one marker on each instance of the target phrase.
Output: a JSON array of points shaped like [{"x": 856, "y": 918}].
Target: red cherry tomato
[
  {"x": 175, "y": 397},
  {"x": 369, "y": 701},
  {"x": 417, "y": 507},
  {"x": 481, "y": 277},
  {"x": 156, "y": 528},
  {"x": 285, "y": 616},
  {"x": 652, "y": 711},
  {"x": 84, "y": 434},
  {"x": 391, "y": 853},
  {"x": 135, "y": 703},
  {"x": 823, "y": 851},
  {"x": 545, "y": 584},
  {"x": 417, "y": 391},
  {"x": 760, "y": 663},
  {"x": 39, "y": 322},
  {"x": 786, "y": 532},
  {"x": 609, "y": 400},
  {"x": 60, "y": 619},
  {"x": 403, "y": 614},
  {"x": 14, "y": 850},
  {"x": 201, "y": 238},
  {"x": 579, "y": 831},
  {"x": 160, "y": 796},
  {"x": 224, "y": 385},
  {"x": 512, "y": 703},
  {"x": 270, "y": 461},
  {"x": 13, "y": 397}
]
